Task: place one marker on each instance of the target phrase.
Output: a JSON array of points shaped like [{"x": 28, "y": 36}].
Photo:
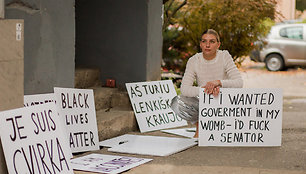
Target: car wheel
[{"x": 274, "y": 62}]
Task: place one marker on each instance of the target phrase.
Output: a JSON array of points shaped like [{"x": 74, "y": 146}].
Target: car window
[{"x": 292, "y": 32}]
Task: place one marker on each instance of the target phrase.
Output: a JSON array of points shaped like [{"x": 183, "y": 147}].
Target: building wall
[
  {"x": 2, "y": 9},
  {"x": 120, "y": 37},
  {"x": 49, "y": 42},
  {"x": 155, "y": 40},
  {"x": 11, "y": 70},
  {"x": 286, "y": 8},
  {"x": 11, "y": 64}
]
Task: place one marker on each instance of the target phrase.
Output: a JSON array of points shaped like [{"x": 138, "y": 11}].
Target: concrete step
[
  {"x": 87, "y": 77},
  {"x": 114, "y": 113},
  {"x": 114, "y": 122},
  {"x": 106, "y": 98}
]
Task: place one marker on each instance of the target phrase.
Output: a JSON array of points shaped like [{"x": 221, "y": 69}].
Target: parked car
[{"x": 285, "y": 46}]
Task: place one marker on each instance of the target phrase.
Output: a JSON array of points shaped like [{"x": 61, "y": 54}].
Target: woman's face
[{"x": 209, "y": 45}]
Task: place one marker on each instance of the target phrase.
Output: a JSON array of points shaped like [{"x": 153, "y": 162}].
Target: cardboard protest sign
[
  {"x": 185, "y": 132},
  {"x": 241, "y": 117},
  {"x": 39, "y": 99},
  {"x": 31, "y": 100},
  {"x": 77, "y": 108},
  {"x": 152, "y": 145},
  {"x": 106, "y": 163},
  {"x": 112, "y": 142},
  {"x": 31, "y": 140},
  {"x": 151, "y": 104}
]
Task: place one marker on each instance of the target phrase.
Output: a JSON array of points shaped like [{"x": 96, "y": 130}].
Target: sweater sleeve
[
  {"x": 187, "y": 88},
  {"x": 234, "y": 79}
]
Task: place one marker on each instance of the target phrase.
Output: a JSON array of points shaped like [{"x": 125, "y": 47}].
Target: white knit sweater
[{"x": 220, "y": 68}]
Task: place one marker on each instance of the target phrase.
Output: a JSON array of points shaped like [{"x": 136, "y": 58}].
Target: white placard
[
  {"x": 37, "y": 99},
  {"x": 77, "y": 108},
  {"x": 18, "y": 31},
  {"x": 18, "y": 35},
  {"x": 151, "y": 104},
  {"x": 153, "y": 145},
  {"x": 185, "y": 132},
  {"x": 18, "y": 26},
  {"x": 31, "y": 140},
  {"x": 241, "y": 117},
  {"x": 112, "y": 142},
  {"x": 106, "y": 163}
]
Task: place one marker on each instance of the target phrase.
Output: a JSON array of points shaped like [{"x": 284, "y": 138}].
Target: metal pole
[{"x": 2, "y": 9}]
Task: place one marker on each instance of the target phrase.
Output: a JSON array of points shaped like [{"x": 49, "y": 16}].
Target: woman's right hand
[
  {"x": 216, "y": 91},
  {"x": 212, "y": 87}
]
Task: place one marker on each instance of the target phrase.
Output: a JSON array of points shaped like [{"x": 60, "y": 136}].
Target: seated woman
[{"x": 212, "y": 69}]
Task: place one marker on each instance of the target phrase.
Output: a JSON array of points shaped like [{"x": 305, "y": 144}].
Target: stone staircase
[{"x": 114, "y": 113}]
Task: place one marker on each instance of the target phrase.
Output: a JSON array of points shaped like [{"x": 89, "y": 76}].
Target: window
[{"x": 292, "y": 32}]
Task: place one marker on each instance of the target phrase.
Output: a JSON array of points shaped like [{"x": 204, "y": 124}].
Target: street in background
[{"x": 284, "y": 46}]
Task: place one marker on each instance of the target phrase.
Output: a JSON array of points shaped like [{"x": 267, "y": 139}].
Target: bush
[{"x": 239, "y": 23}]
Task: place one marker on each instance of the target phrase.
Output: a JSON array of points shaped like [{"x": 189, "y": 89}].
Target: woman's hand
[
  {"x": 212, "y": 87},
  {"x": 216, "y": 91}
]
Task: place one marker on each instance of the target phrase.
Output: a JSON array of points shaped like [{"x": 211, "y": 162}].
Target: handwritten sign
[
  {"x": 31, "y": 140},
  {"x": 37, "y": 99},
  {"x": 106, "y": 163},
  {"x": 241, "y": 117},
  {"x": 77, "y": 108},
  {"x": 151, "y": 104}
]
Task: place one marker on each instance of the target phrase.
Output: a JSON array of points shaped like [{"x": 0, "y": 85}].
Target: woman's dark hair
[{"x": 213, "y": 32}]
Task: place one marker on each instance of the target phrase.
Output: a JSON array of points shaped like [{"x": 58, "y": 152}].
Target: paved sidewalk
[
  {"x": 289, "y": 158},
  {"x": 173, "y": 169},
  {"x": 292, "y": 81}
]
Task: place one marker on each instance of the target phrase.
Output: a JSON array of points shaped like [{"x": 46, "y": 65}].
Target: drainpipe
[{"x": 1, "y": 9}]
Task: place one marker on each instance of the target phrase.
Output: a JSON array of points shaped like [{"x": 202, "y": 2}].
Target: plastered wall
[
  {"x": 11, "y": 69},
  {"x": 121, "y": 38},
  {"x": 49, "y": 42}
]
